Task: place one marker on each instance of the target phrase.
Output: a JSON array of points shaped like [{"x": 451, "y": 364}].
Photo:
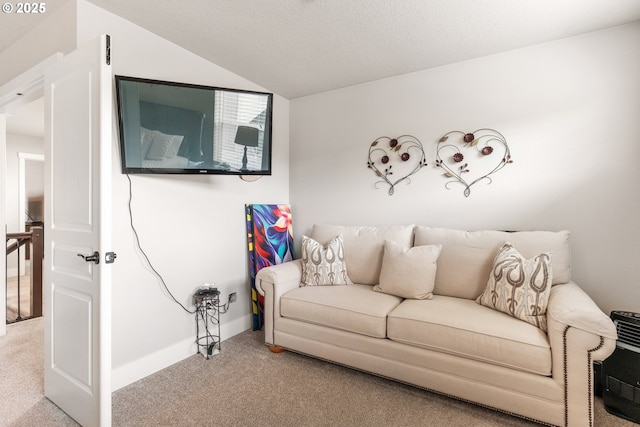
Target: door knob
[{"x": 95, "y": 257}]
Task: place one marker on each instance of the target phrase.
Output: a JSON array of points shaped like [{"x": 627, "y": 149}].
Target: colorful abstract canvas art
[{"x": 270, "y": 242}]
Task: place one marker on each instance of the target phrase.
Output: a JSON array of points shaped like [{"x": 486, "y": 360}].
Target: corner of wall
[
  {"x": 121, "y": 376},
  {"x": 57, "y": 33}
]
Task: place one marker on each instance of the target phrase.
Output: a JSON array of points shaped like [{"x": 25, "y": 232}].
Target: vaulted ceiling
[{"x": 301, "y": 47}]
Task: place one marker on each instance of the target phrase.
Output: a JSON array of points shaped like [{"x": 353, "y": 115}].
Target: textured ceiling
[{"x": 301, "y": 47}]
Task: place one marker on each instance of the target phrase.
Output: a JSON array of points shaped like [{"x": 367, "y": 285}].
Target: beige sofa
[{"x": 449, "y": 343}]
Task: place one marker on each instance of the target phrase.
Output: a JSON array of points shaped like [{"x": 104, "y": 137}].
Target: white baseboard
[{"x": 138, "y": 369}]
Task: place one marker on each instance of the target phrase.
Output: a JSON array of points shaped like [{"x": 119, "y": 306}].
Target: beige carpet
[
  {"x": 22, "y": 401},
  {"x": 244, "y": 385}
]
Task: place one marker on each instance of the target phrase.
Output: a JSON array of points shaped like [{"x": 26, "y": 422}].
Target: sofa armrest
[
  {"x": 273, "y": 282},
  {"x": 579, "y": 334},
  {"x": 570, "y": 305}
]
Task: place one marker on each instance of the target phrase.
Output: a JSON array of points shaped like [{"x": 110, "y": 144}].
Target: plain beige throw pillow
[{"x": 408, "y": 273}]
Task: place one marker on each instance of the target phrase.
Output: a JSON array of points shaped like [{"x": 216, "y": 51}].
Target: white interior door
[{"x": 77, "y": 291}]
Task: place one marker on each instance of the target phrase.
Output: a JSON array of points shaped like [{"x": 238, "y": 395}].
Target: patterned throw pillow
[
  {"x": 323, "y": 265},
  {"x": 519, "y": 287}
]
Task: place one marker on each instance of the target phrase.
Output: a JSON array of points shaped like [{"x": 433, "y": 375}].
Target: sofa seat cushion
[
  {"x": 461, "y": 327},
  {"x": 353, "y": 308}
]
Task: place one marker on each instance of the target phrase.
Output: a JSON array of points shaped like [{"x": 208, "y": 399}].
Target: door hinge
[
  {"x": 110, "y": 257},
  {"x": 108, "y": 49}
]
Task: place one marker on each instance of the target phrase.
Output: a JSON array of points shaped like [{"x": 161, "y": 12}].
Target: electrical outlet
[{"x": 233, "y": 297}]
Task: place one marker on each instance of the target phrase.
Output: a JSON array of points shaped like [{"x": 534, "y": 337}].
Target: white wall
[
  {"x": 570, "y": 111},
  {"x": 55, "y": 34},
  {"x": 191, "y": 227}
]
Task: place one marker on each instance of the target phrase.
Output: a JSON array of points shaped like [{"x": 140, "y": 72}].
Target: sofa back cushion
[
  {"x": 466, "y": 258},
  {"x": 364, "y": 247}
]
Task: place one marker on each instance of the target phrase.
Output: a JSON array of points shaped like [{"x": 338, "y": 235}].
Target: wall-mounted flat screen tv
[{"x": 179, "y": 128}]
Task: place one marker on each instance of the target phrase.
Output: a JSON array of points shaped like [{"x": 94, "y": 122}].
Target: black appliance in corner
[{"x": 621, "y": 370}]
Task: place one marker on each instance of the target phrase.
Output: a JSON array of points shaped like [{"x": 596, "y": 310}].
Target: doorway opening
[
  {"x": 25, "y": 216},
  {"x": 24, "y": 208}
]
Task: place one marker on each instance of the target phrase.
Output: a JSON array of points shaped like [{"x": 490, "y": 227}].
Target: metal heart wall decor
[
  {"x": 398, "y": 158},
  {"x": 472, "y": 158}
]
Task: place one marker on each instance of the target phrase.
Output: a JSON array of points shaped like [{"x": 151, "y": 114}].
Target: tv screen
[{"x": 179, "y": 128}]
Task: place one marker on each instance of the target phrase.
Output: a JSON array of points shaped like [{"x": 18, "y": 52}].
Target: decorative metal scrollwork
[
  {"x": 402, "y": 157},
  {"x": 478, "y": 148}
]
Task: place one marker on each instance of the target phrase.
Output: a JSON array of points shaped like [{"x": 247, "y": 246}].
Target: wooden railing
[{"x": 35, "y": 239}]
